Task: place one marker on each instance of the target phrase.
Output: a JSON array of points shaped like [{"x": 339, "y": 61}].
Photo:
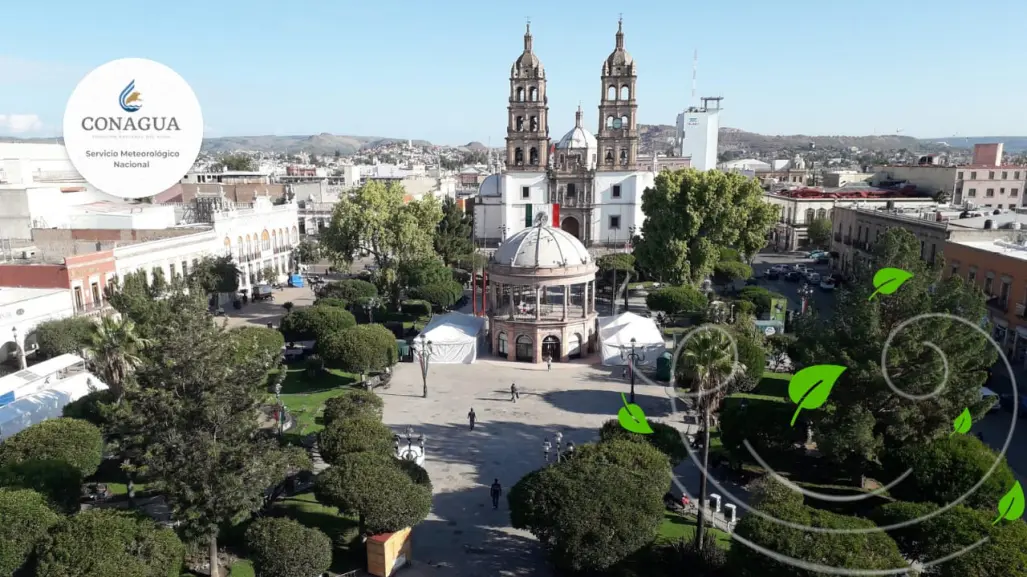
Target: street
[{"x": 821, "y": 300}]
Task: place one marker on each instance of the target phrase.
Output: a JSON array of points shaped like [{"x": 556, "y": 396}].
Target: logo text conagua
[{"x": 130, "y": 123}]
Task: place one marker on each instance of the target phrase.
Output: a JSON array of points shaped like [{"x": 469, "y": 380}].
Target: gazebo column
[
  {"x": 566, "y": 299},
  {"x": 593, "y": 307},
  {"x": 538, "y": 303},
  {"x": 510, "y": 299},
  {"x": 584, "y": 302}
]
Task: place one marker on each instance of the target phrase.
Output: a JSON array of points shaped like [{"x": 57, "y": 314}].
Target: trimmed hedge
[
  {"x": 358, "y": 435},
  {"x": 260, "y": 341},
  {"x": 676, "y": 300},
  {"x": 442, "y": 295},
  {"x": 760, "y": 297},
  {"x": 73, "y": 441},
  {"x": 284, "y": 548},
  {"x": 361, "y": 349},
  {"x": 417, "y": 307},
  {"x": 58, "y": 481},
  {"x": 352, "y": 405},
  {"x": 423, "y": 272},
  {"x": 26, "y": 520},
  {"x": 331, "y": 302},
  {"x": 348, "y": 290},
  {"x": 729, "y": 271},
  {"x": 664, "y": 438},
  {"x": 315, "y": 323},
  {"x": 61, "y": 337}
]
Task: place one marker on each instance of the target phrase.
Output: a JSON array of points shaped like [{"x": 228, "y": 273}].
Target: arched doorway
[
  {"x": 574, "y": 347},
  {"x": 525, "y": 350},
  {"x": 571, "y": 225},
  {"x": 551, "y": 348}
]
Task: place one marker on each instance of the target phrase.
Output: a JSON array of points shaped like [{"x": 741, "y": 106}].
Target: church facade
[{"x": 591, "y": 184}]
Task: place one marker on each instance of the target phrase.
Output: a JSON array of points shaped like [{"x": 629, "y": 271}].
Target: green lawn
[
  {"x": 773, "y": 385},
  {"x": 341, "y": 529},
  {"x": 241, "y": 568},
  {"x": 305, "y": 397},
  {"x": 677, "y": 527}
]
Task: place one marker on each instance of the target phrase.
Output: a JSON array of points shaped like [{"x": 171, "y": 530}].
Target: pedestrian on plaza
[
  {"x": 496, "y": 491},
  {"x": 514, "y": 395},
  {"x": 549, "y": 363},
  {"x": 624, "y": 373},
  {"x": 471, "y": 417}
]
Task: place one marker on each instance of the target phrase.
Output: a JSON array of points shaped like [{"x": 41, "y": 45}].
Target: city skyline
[{"x": 441, "y": 74}]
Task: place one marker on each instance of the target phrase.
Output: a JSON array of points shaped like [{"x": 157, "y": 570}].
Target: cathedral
[{"x": 590, "y": 185}]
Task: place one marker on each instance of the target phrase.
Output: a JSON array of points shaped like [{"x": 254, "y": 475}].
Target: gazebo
[{"x": 542, "y": 296}]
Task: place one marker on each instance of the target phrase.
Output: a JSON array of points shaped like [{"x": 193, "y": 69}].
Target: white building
[
  {"x": 172, "y": 257},
  {"x": 589, "y": 185},
  {"x": 21, "y": 311},
  {"x": 698, "y": 134}
]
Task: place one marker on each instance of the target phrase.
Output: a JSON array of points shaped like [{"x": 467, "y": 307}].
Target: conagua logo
[{"x": 130, "y": 100}]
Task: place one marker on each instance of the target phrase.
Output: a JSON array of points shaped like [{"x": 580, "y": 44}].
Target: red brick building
[{"x": 86, "y": 275}]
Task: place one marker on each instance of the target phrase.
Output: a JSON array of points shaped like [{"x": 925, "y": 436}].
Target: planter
[{"x": 387, "y": 552}]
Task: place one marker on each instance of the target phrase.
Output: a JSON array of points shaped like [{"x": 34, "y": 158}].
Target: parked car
[
  {"x": 827, "y": 284},
  {"x": 793, "y": 276},
  {"x": 772, "y": 274},
  {"x": 813, "y": 277},
  {"x": 816, "y": 254}
]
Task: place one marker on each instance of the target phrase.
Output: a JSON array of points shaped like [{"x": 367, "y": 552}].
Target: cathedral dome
[
  {"x": 579, "y": 138},
  {"x": 542, "y": 246}
]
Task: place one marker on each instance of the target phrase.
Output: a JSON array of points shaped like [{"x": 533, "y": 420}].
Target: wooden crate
[{"x": 388, "y": 552}]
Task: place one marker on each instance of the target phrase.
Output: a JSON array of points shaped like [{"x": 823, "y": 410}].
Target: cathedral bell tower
[
  {"x": 618, "y": 131},
  {"x": 527, "y": 132}
]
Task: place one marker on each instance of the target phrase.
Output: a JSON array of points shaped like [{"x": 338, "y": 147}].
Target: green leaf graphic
[
  {"x": 810, "y": 387},
  {"x": 888, "y": 280},
  {"x": 962, "y": 423},
  {"x": 1010, "y": 507},
  {"x": 632, "y": 418}
]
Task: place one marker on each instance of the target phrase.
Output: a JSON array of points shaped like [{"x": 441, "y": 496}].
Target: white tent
[
  {"x": 46, "y": 404},
  {"x": 455, "y": 337},
  {"x": 615, "y": 334}
]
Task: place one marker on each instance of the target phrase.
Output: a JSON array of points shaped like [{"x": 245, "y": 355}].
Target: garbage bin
[
  {"x": 663, "y": 366},
  {"x": 403, "y": 349}
]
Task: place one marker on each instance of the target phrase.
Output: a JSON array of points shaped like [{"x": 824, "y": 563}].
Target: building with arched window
[
  {"x": 541, "y": 296},
  {"x": 590, "y": 184}
]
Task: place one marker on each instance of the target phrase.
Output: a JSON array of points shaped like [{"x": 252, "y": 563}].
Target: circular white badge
[{"x": 133, "y": 128}]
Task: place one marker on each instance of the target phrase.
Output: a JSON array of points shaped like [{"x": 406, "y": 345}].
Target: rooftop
[
  {"x": 952, "y": 217},
  {"x": 1003, "y": 247},
  {"x": 849, "y": 192},
  {"x": 14, "y": 295}
]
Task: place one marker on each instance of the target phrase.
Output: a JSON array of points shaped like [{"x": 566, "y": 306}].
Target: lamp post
[
  {"x": 502, "y": 233},
  {"x": 409, "y": 454},
  {"x": 633, "y": 358},
  {"x": 805, "y": 291},
  {"x": 423, "y": 352},
  {"x": 369, "y": 306},
  {"x": 559, "y": 441},
  {"x": 278, "y": 403},
  {"x": 546, "y": 446},
  {"x": 19, "y": 351},
  {"x": 570, "y": 449}
]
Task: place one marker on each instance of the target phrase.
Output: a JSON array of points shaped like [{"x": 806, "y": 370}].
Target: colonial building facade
[{"x": 591, "y": 185}]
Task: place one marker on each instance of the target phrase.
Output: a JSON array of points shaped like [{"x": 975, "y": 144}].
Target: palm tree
[
  {"x": 709, "y": 364},
  {"x": 113, "y": 352}
]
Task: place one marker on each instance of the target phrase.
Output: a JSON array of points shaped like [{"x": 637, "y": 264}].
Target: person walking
[
  {"x": 514, "y": 395},
  {"x": 471, "y": 417},
  {"x": 549, "y": 363},
  {"x": 496, "y": 491}
]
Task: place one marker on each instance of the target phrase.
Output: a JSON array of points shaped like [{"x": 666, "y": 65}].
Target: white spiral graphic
[{"x": 674, "y": 395}]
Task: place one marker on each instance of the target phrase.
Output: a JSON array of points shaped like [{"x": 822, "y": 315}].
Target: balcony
[{"x": 92, "y": 309}]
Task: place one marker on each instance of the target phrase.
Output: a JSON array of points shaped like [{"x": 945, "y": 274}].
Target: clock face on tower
[{"x": 616, "y": 123}]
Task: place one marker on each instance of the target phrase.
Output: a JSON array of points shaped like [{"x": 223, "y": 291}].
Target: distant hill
[
  {"x": 323, "y": 143},
  {"x": 1012, "y": 143},
  {"x": 661, "y": 135},
  {"x": 475, "y": 146}
]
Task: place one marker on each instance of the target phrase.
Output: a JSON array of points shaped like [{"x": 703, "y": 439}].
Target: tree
[
  {"x": 728, "y": 271},
  {"x": 315, "y": 323},
  {"x": 752, "y": 354},
  {"x": 26, "y": 520},
  {"x": 676, "y": 300},
  {"x": 349, "y": 290},
  {"x": 307, "y": 251},
  {"x": 105, "y": 542},
  {"x": 376, "y": 489},
  {"x": 708, "y": 365},
  {"x": 664, "y": 438},
  {"x": 62, "y": 337},
  {"x": 239, "y": 162},
  {"x": 761, "y": 298},
  {"x": 442, "y": 295},
  {"x": 690, "y": 215},
  {"x": 285, "y": 548},
  {"x": 58, "y": 481},
  {"x": 428, "y": 271},
  {"x": 764, "y": 424},
  {"x": 453, "y": 234},
  {"x": 150, "y": 308},
  {"x": 931, "y": 539},
  {"x": 195, "y": 413},
  {"x": 945, "y": 469},
  {"x": 362, "y": 434},
  {"x": 594, "y": 509},
  {"x": 375, "y": 218},
  {"x": 352, "y": 405},
  {"x": 215, "y": 275},
  {"x": 361, "y": 350},
  {"x": 269, "y": 275},
  {"x": 819, "y": 232},
  {"x": 616, "y": 270},
  {"x": 262, "y": 342},
  {"x": 113, "y": 352},
  {"x": 77, "y": 443},
  {"x": 867, "y": 414}
]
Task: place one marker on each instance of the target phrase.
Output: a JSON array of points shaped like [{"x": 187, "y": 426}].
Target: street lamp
[
  {"x": 559, "y": 440},
  {"x": 633, "y": 358},
  {"x": 546, "y": 446},
  {"x": 423, "y": 351},
  {"x": 409, "y": 454},
  {"x": 19, "y": 351},
  {"x": 570, "y": 449},
  {"x": 805, "y": 291},
  {"x": 369, "y": 306}
]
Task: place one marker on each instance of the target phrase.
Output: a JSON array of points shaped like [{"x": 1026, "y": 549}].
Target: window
[
  {"x": 616, "y": 191},
  {"x": 987, "y": 285},
  {"x": 1005, "y": 175},
  {"x": 989, "y": 192},
  {"x": 185, "y": 267},
  {"x": 615, "y": 222},
  {"x": 955, "y": 270},
  {"x": 973, "y": 175},
  {"x": 810, "y": 215},
  {"x": 921, "y": 249},
  {"x": 1014, "y": 191},
  {"x": 934, "y": 249},
  {"x": 571, "y": 190},
  {"x": 171, "y": 268},
  {"x": 1001, "y": 191},
  {"x": 1016, "y": 175},
  {"x": 972, "y": 192},
  {"x": 959, "y": 175},
  {"x": 501, "y": 344},
  {"x": 971, "y": 276},
  {"x": 78, "y": 298},
  {"x": 991, "y": 175},
  {"x": 95, "y": 289},
  {"x": 525, "y": 192},
  {"x": 520, "y": 123},
  {"x": 1003, "y": 295}
]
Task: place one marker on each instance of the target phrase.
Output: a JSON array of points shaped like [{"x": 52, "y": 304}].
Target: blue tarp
[{"x": 296, "y": 280}]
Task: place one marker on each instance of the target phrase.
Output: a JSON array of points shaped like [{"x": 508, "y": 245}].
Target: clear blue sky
[{"x": 439, "y": 70}]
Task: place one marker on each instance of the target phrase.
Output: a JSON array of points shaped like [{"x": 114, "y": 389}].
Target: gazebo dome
[{"x": 542, "y": 247}]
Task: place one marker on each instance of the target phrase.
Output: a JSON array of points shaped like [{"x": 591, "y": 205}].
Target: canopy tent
[
  {"x": 455, "y": 338},
  {"x": 46, "y": 404},
  {"x": 615, "y": 334}
]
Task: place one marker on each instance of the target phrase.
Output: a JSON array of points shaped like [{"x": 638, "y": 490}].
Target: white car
[
  {"x": 813, "y": 277},
  {"x": 827, "y": 284}
]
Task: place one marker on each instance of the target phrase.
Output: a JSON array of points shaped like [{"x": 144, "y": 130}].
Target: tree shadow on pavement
[{"x": 607, "y": 402}]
